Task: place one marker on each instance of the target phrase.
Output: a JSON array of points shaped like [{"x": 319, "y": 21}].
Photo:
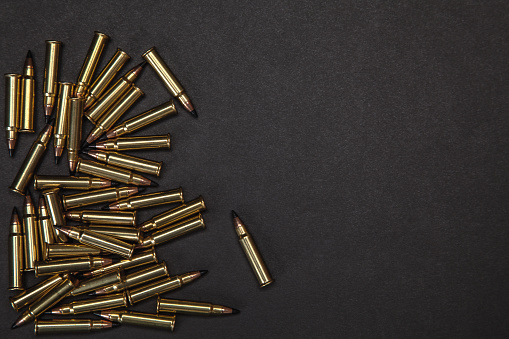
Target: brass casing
[
  {"x": 35, "y": 292},
  {"x": 111, "y": 172},
  {"x": 42, "y": 182},
  {"x": 102, "y": 241},
  {"x": 16, "y": 261},
  {"x": 75, "y": 122},
  {"x": 27, "y": 100},
  {"x": 54, "y": 205},
  {"x": 174, "y": 215},
  {"x": 128, "y": 161},
  {"x": 144, "y": 119},
  {"x": 166, "y": 322},
  {"x": 32, "y": 160},
  {"x": 62, "y": 115},
  {"x": 12, "y": 105},
  {"x": 51, "y": 71},
  {"x": 60, "y": 326},
  {"x": 139, "y": 259},
  {"x": 31, "y": 236},
  {"x": 158, "y": 287},
  {"x": 151, "y": 199},
  {"x": 97, "y": 196},
  {"x": 55, "y": 266},
  {"x": 95, "y": 283},
  {"x": 124, "y": 233},
  {"x": 188, "y": 307},
  {"x": 173, "y": 231},
  {"x": 134, "y": 143},
  {"x": 106, "y": 76},
  {"x": 137, "y": 278},
  {"x": 70, "y": 250},
  {"x": 90, "y": 63},
  {"x": 46, "y": 231},
  {"x": 104, "y": 217},
  {"x": 100, "y": 303}
]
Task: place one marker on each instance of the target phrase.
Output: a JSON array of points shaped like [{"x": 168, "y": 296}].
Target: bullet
[
  {"x": 141, "y": 120},
  {"x": 133, "y": 143},
  {"x": 16, "y": 261},
  {"x": 148, "y": 200},
  {"x": 113, "y": 94},
  {"x": 66, "y": 265},
  {"x": 62, "y": 118},
  {"x": 127, "y": 161},
  {"x": 97, "y": 196},
  {"x": 102, "y": 241},
  {"x": 74, "y": 140},
  {"x": 12, "y": 109},
  {"x": 112, "y": 173},
  {"x": 192, "y": 307},
  {"x": 48, "y": 300},
  {"x": 27, "y": 96},
  {"x": 95, "y": 283},
  {"x": 106, "y": 76},
  {"x": 139, "y": 259},
  {"x": 55, "y": 209},
  {"x": 162, "y": 286},
  {"x": 70, "y": 250},
  {"x": 50, "y": 76},
  {"x": 137, "y": 278},
  {"x": 42, "y": 182},
  {"x": 111, "y": 116},
  {"x": 166, "y": 322},
  {"x": 103, "y": 302},
  {"x": 174, "y": 215},
  {"x": 87, "y": 70},
  {"x": 173, "y": 231},
  {"x": 120, "y": 218},
  {"x": 124, "y": 233},
  {"x": 169, "y": 80},
  {"x": 61, "y": 326},
  {"x": 46, "y": 231},
  {"x": 36, "y": 292},
  {"x": 32, "y": 160},
  {"x": 251, "y": 251},
  {"x": 31, "y": 236}
]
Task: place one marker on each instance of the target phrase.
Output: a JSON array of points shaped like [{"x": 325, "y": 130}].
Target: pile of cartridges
[{"x": 109, "y": 254}]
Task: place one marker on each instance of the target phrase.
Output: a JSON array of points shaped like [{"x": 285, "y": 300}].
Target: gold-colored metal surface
[
  {"x": 46, "y": 231},
  {"x": 32, "y": 160},
  {"x": 134, "y": 143},
  {"x": 35, "y": 292},
  {"x": 141, "y": 120},
  {"x": 27, "y": 98},
  {"x": 174, "y": 215},
  {"x": 97, "y": 196},
  {"x": 90, "y": 63},
  {"x": 149, "y": 200},
  {"x": 173, "y": 231},
  {"x": 55, "y": 266},
  {"x": 15, "y": 245},
  {"x": 12, "y": 108},
  {"x": 166, "y": 322},
  {"x": 128, "y": 161},
  {"x": 31, "y": 234},
  {"x": 111, "y": 172},
  {"x": 54, "y": 205},
  {"x": 124, "y": 233},
  {"x": 95, "y": 283},
  {"x": 70, "y": 250},
  {"x": 42, "y": 182},
  {"x": 137, "y": 278},
  {"x": 50, "y": 75},
  {"x": 190, "y": 307},
  {"x": 104, "y": 302},
  {"x": 75, "y": 122},
  {"x": 104, "y": 217},
  {"x": 106, "y": 76},
  {"x": 62, "y": 116},
  {"x": 102, "y": 241},
  {"x": 138, "y": 259},
  {"x": 60, "y": 326}
]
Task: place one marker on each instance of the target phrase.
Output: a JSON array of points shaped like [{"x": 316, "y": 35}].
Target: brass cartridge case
[
  {"x": 103, "y": 302},
  {"x": 111, "y": 172},
  {"x": 60, "y": 326},
  {"x": 54, "y": 205},
  {"x": 128, "y": 161},
  {"x": 174, "y": 215},
  {"x": 97, "y": 196},
  {"x": 16, "y": 261},
  {"x": 124, "y": 233},
  {"x": 190, "y": 307},
  {"x": 32, "y": 160},
  {"x": 134, "y": 143},
  {"x": 95, "y": 283},
  {"x": 31, "y": 234},
  {"x": 137, "y": 278},
  {"x": 139, "y": 259},
  {"x": 75, "y": 122},
  {"x": 12, "y": 108},
  {"x": 90, "y": 63},
  {"x": 173, "y": 231},
  {"x": 141, "y": 120},
  {"x": 169, "y": 80},
  {"x": 114, "y": 113},
  {"x": 62, "y": 117},
  {"x": 148, "y": 200},
  {"x": 46, "y": 231},
  {"x": 120, "y": 218},
  {"x": 50, "y": 75},
  {"x": 166, "y": 322},
  {"x": 55, "y": 266},
  {"x": 27, "y": 97},
  {"x": 102, "y": 241},
  {"x": 106, "y": 76},
  {"x": 35, "y": 292},
  {"x": 70, "y": 250},
  {"x": 42, "y": 182}
]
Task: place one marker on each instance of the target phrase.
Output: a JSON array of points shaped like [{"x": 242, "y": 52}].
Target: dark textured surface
[{"x": 365, "y": 145}]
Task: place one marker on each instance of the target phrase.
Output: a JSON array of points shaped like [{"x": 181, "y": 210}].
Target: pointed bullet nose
[
  {"x": 46, "y": 119},
  {"x": 141, "y": 189},
  {"x": 203, "y": 272},
  {"x": 194, "y": 114},
  {"x": 154, "y": 184},
  {"x": 14, "y": 326},
  {"x": 57, "y": 159},
  {"x": 11, "y": 152},
  {"x": 235, "y": 311},
  {"x": 234, "y": 215},
  {"x": 115, "y": 324},
  {"x": 51, "y": 121},
  {"x": 106, "y": 208},
  {"x": 84, "y": 145}
]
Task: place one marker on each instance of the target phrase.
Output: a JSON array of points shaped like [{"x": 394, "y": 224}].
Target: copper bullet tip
[{"x": 111, "y": 134}]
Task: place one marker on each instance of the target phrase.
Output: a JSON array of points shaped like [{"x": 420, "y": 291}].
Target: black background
[{"x": 365, "y": 145}]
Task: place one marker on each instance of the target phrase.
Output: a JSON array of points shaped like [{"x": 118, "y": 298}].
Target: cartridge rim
[
  {"x": 266, "y": 283},
  {"x": 181, "y": 194},
  {"x": 147, "y": 52},
  {"x": 158, "y": 303},
  {"x": 16, "y": 190},
  {"x": 53, "y": 42},
  {"x": 102, "y": 34},
  {"x": 138, "y": 90},
  {"x": 11, "y": 299},
  {"x": 67, "y": 83},
  {"x": 12, "y": 75},
  {"x": 202, "y": 202}
]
